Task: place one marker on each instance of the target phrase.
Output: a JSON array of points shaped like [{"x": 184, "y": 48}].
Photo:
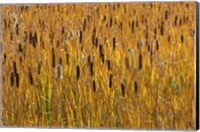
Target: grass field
[{"x": 106, "y": 65}]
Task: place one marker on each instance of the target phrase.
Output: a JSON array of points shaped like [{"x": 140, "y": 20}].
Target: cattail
[
  {"x": 108, "y": 62},
  {"x": 151, "y": 56},
  {"x": 140, "y": 61},
  {"x": 136, "y": 87},
  {"x": 162, "y": 30},
  {"x": 147, "y": 35},
  {"x": 59, "y": 71},
  {"x": 101, "y": 50},
  {"x": 30, "y": 76},
  {"x": 12, "y": 79},
  {"x": 133, "y": 26},
  {"x": 20, "y": 48},
  {"x": 182, "y": 38},
  {"x": 14, "y": 67},
  {"x": 53, "y": 58},
  {"x": 157, "y": 45},
  {"x": 139, "y": 45},
  {"x": 155, "y": 31},
  {"x": 110, "y": 80},
  {"x": 114, "y": 43},
  {"x": 17, "y": 29},
  {"x": 175, "y": 20},
  {"x": 84, "y": 25},
  {"x": 17, "y": 79},
  {"x": 96, "y": 42},
  {"x": 89, "y": 59},
  {"x": 127, "y": 63},
  {"x": 4, "y": 58},
  {"x": 102, "y": 58},
  {"x": 110, "y": 21},
  {"x": 94, "y": 85},
  {"x": 121, "y": 25},
  {"x": 62, "y": 30},
  {"x": 67, "y": 58},
  {"x": 77, "y": 72},
  {"x": 166, "y": 15},
  {"x": 91, "y": 68},
  {"x": 93, "y": 36},
  {"x": 180, "y": 22},
  {"x": 80, "y": 38},
  {"x": 123, "y": 89}
]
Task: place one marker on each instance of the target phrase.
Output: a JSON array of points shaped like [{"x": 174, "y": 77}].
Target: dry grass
[{"x": 99, "y": 65}]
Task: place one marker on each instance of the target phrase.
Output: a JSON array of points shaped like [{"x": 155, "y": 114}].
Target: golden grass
[{"x": 99, "y": 65}]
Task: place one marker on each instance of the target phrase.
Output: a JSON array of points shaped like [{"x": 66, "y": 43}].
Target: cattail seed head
[
  {"x": 162, "y": 30},
  {"x": 136, "y": 87},
  {"x": 80, "y": 37},
  {"x": 91, "y": 68},
  {"x": 14, "y": 67},
  {"x": 175, "y": 20},
  {"x": 114, "y": 43},
  {"x": 53, "y": 58},
  {"x": 140, "y": 61},
  {"x": 94, "y": 85},
  {"x": 30, "y": 76},
  {"x": 59, "y": 71},
  {"x": 182, "y": 38},
  {"x": 133, "y": 24},
  {"x": 157, "y": 45},
  {"x": 110, "y": 80},
  {"x": 123, "y": 89},
  {"x": 84, "y": 25},
  {"x": 108, "y": 64},
  {"x": 77, "y": 72},
  {"x": 12, "y": 79},
  {"x": 166, "y": 15},
  {"x": 127, "y": 62}
]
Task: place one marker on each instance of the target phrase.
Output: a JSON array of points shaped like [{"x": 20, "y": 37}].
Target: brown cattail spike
[
  {"x": 12, "y": 79},
  {"x": 77, "y": 72},
  {"x": 110, "y": 80},
  {"x": 94, "y": 85},
  {"x": 91, "y": 68},
  {"x": 133, "y": 23},
  {"x": 53, "y": 58},
  {"x": 14, "y": 67},
  {"x": 109, "y": 67},
  {"x": 123, "y": 89},
  {"x": 114, "y": 43},
  {"x": 80, "y": 37},
  {"x": 157, "y": 45},
  {"x": 140, "y": 61},
  {"x": 136, "y": 87},
  {"x": 84, "y": 25},
  {"x": 30, "y": 76},
  {"x": 182, "y": 38},
  {"x": 127, "y": 63},
  {"x": 59, "y": 71},
  {"x": 67, "y": 58}
]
